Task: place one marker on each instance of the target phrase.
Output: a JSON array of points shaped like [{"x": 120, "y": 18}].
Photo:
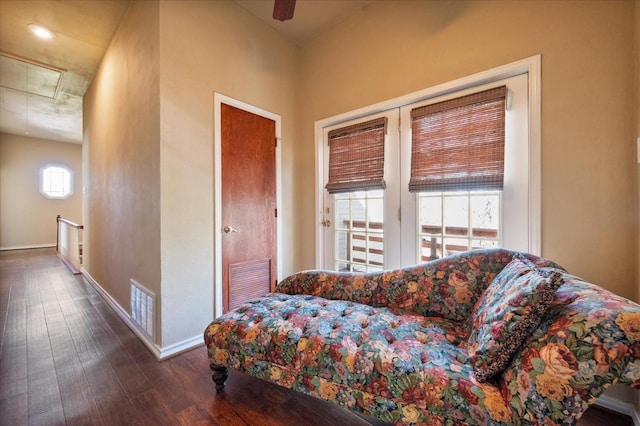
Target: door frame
[
  {"x": 531, "y": 66},
  {"x": 220, "y": 99}
]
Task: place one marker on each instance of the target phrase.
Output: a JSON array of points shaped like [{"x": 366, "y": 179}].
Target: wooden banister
[
  {"x": 68, "y": 222},
  {"x": 69, "y": 243}
]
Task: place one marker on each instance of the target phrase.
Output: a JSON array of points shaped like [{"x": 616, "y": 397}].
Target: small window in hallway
[{"x": 56, "y": 181}]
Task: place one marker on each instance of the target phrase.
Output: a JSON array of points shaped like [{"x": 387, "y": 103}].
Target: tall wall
[
  {"x": 637, "y": 134},
  {"x": 149, "y": 127},
  {"x": 149, "y": 148},
  {"x": 589, "y": 173},
  {"x": 209, "y": 47},
  {"x": 27, "y": 218},
  {"x": 122, "y": 159}
]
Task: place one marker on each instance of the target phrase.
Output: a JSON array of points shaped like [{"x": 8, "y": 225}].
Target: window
[
  {"x": 493, "y": 201},
  {"x": 480, "y": 213},
  {"x": 361, "y": 188},
  {"x": 458, "y": 144},
  {"x": 452, "y": 222},
  {"x": 56, "y": 181},
  {"x": 457, "y": 171},
  {"x": 359, "y": 235}
]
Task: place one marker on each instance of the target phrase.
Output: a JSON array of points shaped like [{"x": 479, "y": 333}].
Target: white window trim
[
  {"x": 530, "y": 66},
  {"x": 41, "y": 182}
]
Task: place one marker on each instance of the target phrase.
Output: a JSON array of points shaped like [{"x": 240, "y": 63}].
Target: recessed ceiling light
[{"x": 41, "y": 31}]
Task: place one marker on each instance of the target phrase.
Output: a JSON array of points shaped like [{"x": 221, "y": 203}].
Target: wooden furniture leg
[{"x": 219, "y": 376}]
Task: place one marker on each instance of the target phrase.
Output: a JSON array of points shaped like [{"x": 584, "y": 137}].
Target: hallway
[{"x": 67, "y": 358}]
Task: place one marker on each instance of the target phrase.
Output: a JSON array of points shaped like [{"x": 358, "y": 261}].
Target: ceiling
[
  {"x": 42, "y": 82},
  {"x": 310, "y": 16}
]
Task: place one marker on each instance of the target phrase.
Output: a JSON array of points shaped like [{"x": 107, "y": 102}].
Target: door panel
[{"x": 248, "y": 210}]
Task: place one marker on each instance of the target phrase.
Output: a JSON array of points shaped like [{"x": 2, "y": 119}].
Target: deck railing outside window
[{"x": 365, "y": 241}]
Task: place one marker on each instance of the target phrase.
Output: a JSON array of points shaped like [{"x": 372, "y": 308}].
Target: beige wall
[
  {"x": 27, "y": 218},
  {"x": 122, "y": 159},
  {"x": 232, "y": 53},
  {"x": 589, "y": 195},
  {"x": 637, "y": 135},
  {"x": 149, "y": 128}
]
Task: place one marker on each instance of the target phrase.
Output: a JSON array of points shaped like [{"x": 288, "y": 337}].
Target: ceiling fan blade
[{"x": 283, "y": 9}]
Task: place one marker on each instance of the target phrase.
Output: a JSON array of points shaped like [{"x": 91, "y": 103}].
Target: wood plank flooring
[{"x": 67, "y": 358}]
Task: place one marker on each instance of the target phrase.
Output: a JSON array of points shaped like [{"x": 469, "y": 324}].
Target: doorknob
[
  {"x": 326, "y": 223},
  {"x": 229, "y": 229}
]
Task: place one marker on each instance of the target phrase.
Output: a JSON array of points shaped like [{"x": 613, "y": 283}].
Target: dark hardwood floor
[{"x": 67, "y": 358}]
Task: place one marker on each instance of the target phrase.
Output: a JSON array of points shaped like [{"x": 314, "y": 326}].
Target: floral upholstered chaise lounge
[{"x": 482, "y": 337}]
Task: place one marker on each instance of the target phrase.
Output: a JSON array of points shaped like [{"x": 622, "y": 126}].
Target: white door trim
[
  {"x": 530, "y": 65},
  {"x": 220, "y": 99}
]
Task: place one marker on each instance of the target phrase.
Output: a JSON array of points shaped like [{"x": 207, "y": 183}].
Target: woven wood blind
[
  {"x": 356, "y": 157},
  {"x": 458, "y": 145}
]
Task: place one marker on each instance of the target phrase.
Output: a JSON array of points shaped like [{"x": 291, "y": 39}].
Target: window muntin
[{"x": 56, "y": 181}]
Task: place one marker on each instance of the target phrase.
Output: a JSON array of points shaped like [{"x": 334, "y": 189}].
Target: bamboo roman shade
[
  {"x": 458, "y": 144},
  {"x": 356, "y": 157}
]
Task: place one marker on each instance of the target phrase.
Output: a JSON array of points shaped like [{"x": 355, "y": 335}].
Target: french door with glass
[{"x": 389, "y": 226}]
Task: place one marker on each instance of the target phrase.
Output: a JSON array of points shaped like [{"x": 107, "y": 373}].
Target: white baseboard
[
  {"x": 161, "y": 353},
  {"x": 618, "y": 406},
  {"x": 180, "y": 347},
  {"x": 32, "y": 246}
]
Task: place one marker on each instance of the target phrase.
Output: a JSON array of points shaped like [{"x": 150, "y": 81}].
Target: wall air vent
[{"x": 143, "y": 310}]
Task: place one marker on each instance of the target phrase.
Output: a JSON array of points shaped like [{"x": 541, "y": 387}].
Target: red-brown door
[{"x": 248, "y": 211}]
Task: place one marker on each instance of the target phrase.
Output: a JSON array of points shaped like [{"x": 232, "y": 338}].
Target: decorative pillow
[{"x": 507, "y": 313}]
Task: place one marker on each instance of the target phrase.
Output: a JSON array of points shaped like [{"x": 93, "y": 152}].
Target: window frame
[
  {"x": 514, "y": 211},
  {"x": 44, "y": 191},
  {"x": 530, "y": 66}
]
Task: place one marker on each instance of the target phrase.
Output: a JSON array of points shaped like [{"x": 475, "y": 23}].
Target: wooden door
[{"x": 248, "y": 210}]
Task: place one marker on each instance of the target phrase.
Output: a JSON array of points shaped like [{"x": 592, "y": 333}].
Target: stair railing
[{"x": 69, "y": 244}]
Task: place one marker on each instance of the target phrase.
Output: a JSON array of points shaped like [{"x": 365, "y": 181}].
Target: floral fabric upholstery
[
  {"x": 507, "y": 312},
  {"x": 359, "y": 341},
  {"x": 447, "y": 287},
  {"x": 588, "y": 340}
]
